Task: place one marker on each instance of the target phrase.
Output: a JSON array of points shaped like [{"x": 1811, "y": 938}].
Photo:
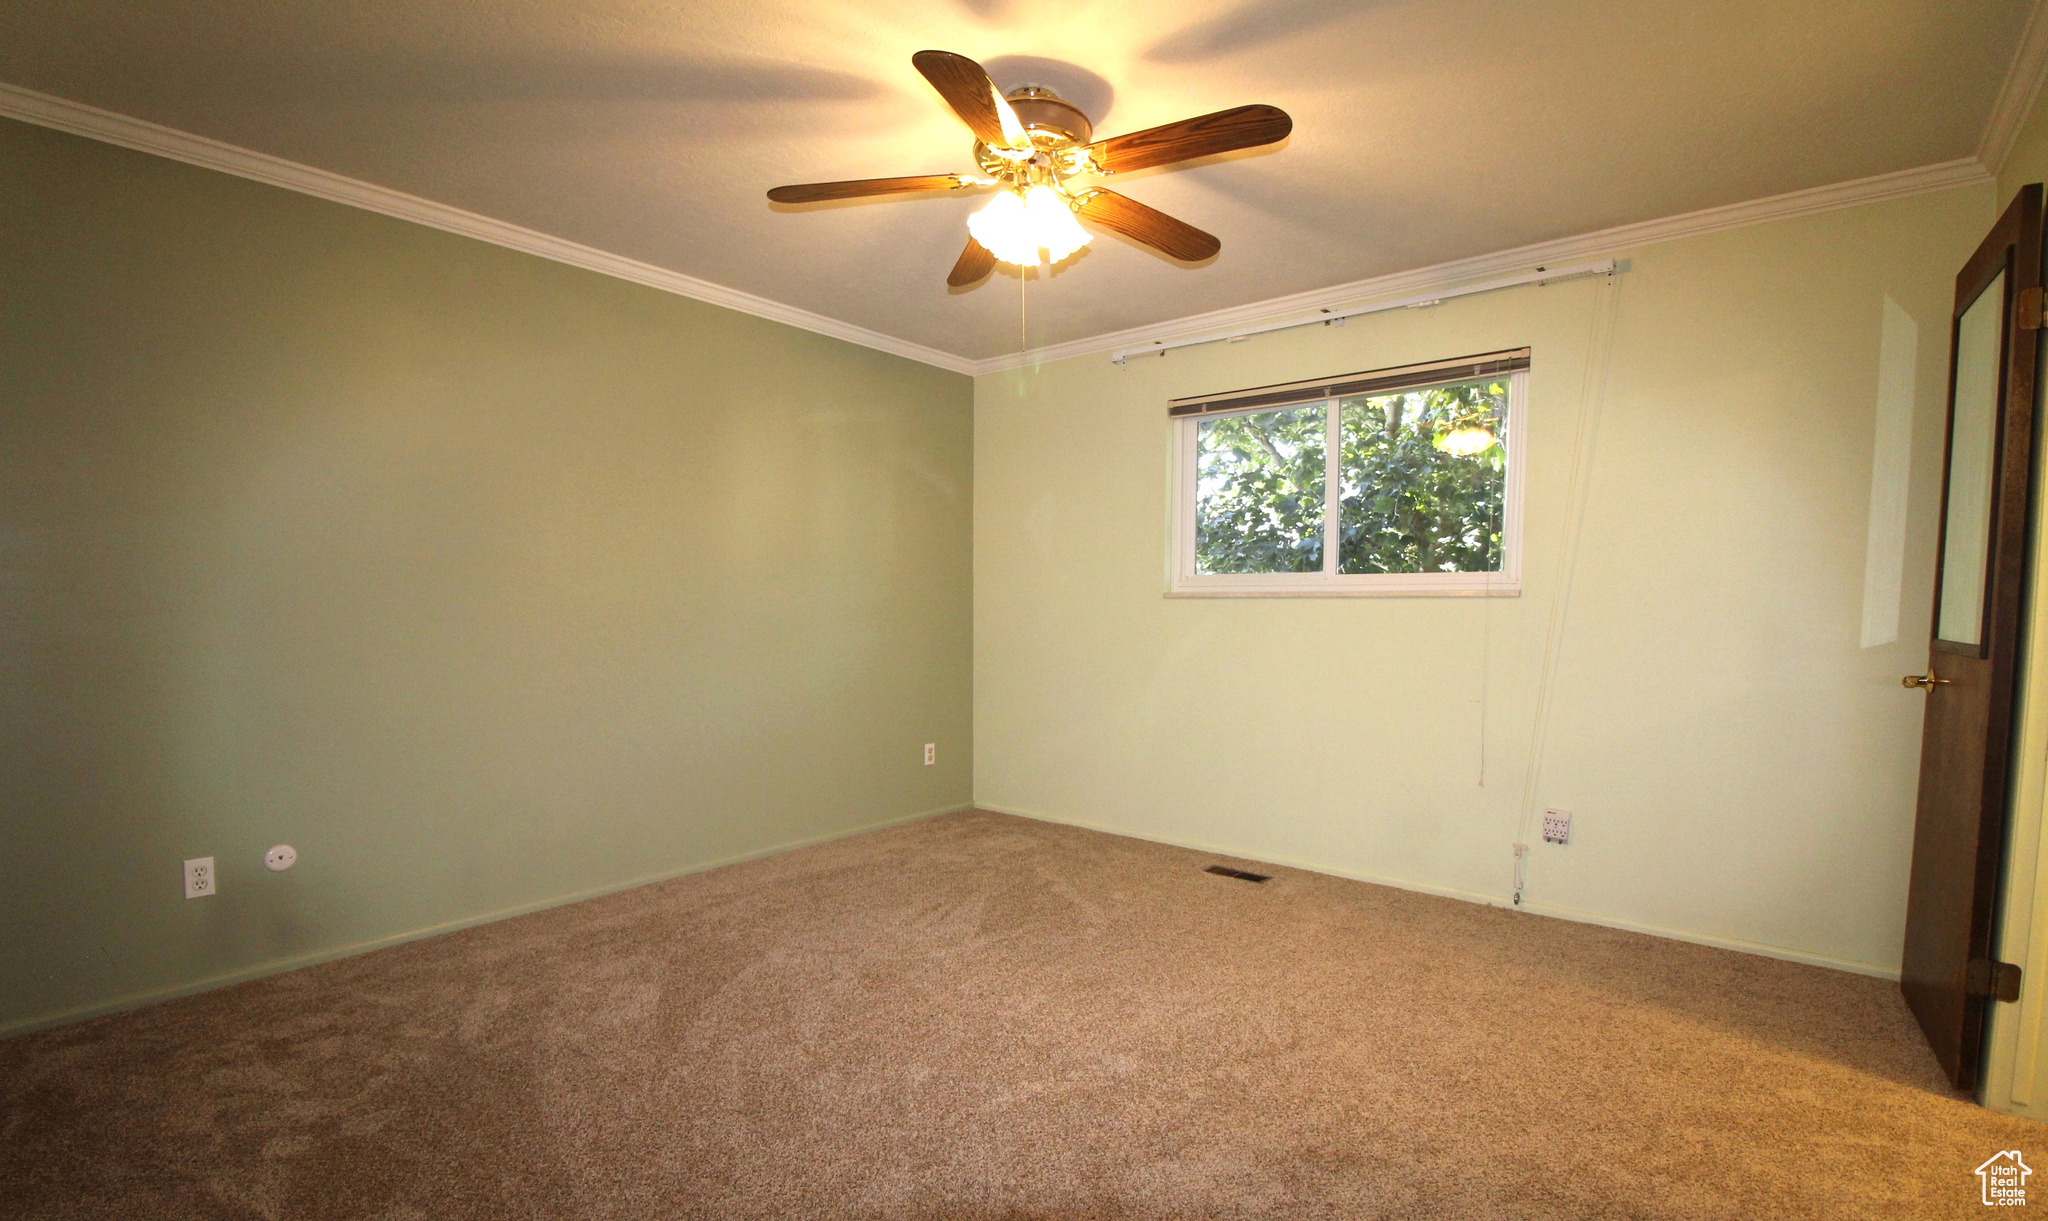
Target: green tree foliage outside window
[
  {"x": 1406, "y": 504},
  {"x": 1259, "y": 491}
]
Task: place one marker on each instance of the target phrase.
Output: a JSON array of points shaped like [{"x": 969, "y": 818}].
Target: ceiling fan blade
[
  {"x": 974, "y": 97},
  {"x": 974, "y": 265},
  {"x": 819, "y": 192},
  {"x": 1148, "y": 225},
  {"x": 1222, "y": 132}
]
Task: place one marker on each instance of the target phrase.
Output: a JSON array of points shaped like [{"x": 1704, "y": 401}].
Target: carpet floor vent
[{"x": 1241, "y": 875}]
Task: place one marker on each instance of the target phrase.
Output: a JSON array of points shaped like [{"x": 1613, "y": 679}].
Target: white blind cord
[{"x": 1593, "y": 390}]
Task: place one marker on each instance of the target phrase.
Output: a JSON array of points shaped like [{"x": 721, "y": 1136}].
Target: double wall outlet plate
[
  {"x": 199, "y": 877},
  {"x": 1557, "y": 826}
]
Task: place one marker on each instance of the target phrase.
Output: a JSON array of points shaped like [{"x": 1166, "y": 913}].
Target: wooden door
[{"x": 1948, "y": 976}]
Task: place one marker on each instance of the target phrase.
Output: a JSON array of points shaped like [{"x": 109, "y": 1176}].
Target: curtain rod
[{"x": 1540, "y": 275}]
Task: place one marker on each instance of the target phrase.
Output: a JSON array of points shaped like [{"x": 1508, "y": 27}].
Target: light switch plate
[{"x": 1557, "y": 826}]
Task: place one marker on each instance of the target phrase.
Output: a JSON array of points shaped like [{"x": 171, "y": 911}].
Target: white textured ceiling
[{"x": 1424, "y": 130}]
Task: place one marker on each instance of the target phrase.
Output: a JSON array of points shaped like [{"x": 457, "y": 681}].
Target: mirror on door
[{"x": 1973, "y": 447}]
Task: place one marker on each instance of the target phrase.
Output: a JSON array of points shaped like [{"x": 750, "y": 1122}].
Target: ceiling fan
[{"x": 1030, "y": 143}]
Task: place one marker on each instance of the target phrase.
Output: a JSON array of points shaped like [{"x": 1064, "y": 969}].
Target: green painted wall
[{"x": 482, "y": 580}]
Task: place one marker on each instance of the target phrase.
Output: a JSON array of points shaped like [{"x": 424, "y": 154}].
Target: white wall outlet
[
  {"x": 280, "y": 858},
  {"x": 931, "y": 753},
  {"x": 199, "y": 877},
  {"x": 1557, "y": 826}
]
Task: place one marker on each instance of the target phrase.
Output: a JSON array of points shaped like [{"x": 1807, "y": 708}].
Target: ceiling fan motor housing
[{"x": 1042, "y": 110}]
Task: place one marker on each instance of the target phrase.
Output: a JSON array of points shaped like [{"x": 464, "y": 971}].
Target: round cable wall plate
[{"x": 280, "y": 858}]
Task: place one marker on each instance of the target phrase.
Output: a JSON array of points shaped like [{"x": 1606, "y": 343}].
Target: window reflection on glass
[
  {"x": 1259, "y": 490},
  {"x": 1424, "y": 479},
  {"x": 1973, "y": 446}
]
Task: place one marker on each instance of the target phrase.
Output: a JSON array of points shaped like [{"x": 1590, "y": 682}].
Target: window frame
[{"x": 1184, "y": 582}]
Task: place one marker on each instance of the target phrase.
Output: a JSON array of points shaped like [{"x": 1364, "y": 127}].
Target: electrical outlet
[
  {"x": 1557, "y": 826},
  {"x": 931, "y": 753},
  {"x": 199, "y": 877}
]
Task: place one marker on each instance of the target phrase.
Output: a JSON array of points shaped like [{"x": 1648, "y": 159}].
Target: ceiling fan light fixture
[
  {"x": 1050, "y": 219},
  {"x": 1030, "y": 141},
  {"x": 999, "y": 226},
  {"x": 1466, "y": 441},
  {"x": 1016, "y": 227}
]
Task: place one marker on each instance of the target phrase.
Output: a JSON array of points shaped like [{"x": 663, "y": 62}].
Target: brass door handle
[{"x": 1926, "y": 682}]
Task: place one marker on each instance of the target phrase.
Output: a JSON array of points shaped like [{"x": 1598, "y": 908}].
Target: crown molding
[
  {"x": 108, "y": 127},
  {"x": 1963, "y": 172},
  {"x": 90, "y": 121},
  {"x": 2016, "y": 95}
]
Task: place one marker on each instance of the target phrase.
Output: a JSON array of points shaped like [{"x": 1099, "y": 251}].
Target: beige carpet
[{"x": 985, "y": 1017}]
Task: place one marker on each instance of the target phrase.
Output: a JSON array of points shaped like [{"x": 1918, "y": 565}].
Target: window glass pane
[
  {"x": 1973, "y": 444},
  {"x": 1259, "y": 481},
  {"x": 1425, "y": 479}
]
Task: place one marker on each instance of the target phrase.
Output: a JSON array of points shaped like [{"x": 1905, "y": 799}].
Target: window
[{"x": 1400, "y": 481}]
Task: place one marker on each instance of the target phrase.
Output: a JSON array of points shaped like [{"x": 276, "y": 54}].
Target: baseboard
[
  {"x": 1448, "y": 892},
  {"x": 277, "y": 966},
  {"x": 1763, "y": 949},
  {"x": 1553, "y": 911}
]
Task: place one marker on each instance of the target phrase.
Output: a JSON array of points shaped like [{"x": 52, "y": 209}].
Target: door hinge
[
  {"x": 2030, "y": 308},
  {"x": 1998, "y": 980}
]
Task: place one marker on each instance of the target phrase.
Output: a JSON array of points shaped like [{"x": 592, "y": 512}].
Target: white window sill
[{"x": 1324, "y": 589}]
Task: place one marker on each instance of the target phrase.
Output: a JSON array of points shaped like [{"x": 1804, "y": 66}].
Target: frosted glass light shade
[
  {"x": 1000, "y": 227},
  {"x": 1052, "y": 223},
  {"x": 1015, "y": 227}
]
